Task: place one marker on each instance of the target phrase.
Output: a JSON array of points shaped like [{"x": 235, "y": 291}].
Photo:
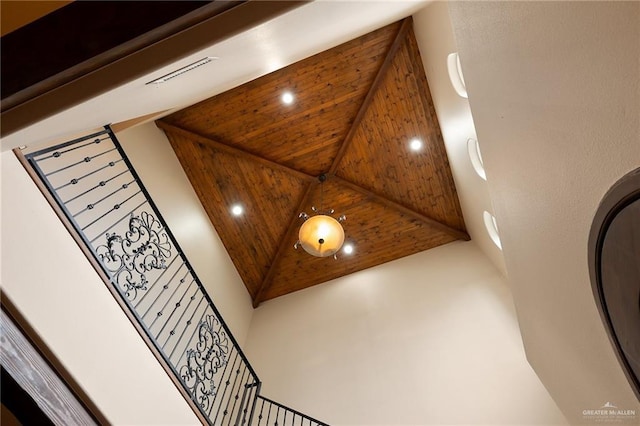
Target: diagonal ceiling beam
[
  {"x": 461, "y": 235},
  {"x": 293, "y": 225},
  {"x": 179, "y": 131},
  {"x": 397, "y": 43},
  {"x": 293, "y": 222}
]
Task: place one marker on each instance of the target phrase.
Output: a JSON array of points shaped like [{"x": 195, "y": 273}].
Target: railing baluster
[
  {"x": 226, "y": 386},
  {"x": 85, "y": 160},
  {"x": 172, "y": 332},
  {"x": 113, "y": 209},
  {"x": 166, "y": 287},
  {"x": 175, "y": 308},
  {"x": 261, "y": 411},
  {"x": 186, "y": 327},
  {"x": 97, "y": 186},
  {"x": 281, "y": 413}
]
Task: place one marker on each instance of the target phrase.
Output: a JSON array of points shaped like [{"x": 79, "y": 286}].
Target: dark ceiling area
[
  {"x": 59, "y": 39},
  {"x": 60, "y": 55},
  {"x": 356, "y": 109}
]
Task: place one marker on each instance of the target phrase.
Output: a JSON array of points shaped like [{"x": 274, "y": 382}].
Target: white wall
[
  {"x": 554, "y": 88},
  {"x": 158, "y": 167},
  {"x": 435, "y": 39},
  {"x": 427, "y": 339},
  {"x": 51, "y": 282},
  {"x": 49, "y": 279}
]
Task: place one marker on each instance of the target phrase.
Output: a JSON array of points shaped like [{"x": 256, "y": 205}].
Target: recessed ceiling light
[
  {"x": 348, "y": 248},
  {"x": 287, "y": 98},
  {"x": 237, "y": 210},
  {"x": 415, "y": 144}
]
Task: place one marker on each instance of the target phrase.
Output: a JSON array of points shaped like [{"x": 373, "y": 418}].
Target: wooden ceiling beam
[
  {"x": 293, "y": 225},
  {"x": 461, "y": 235},
  {"x": 397, "y": 43},
  {"x": 179, "y": 131}
]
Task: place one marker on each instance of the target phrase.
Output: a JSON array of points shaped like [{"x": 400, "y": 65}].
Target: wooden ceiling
[{"x": 356, "y": 108}]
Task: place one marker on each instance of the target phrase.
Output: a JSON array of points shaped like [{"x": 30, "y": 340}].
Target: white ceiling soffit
[{"x": 303, "y": 32}]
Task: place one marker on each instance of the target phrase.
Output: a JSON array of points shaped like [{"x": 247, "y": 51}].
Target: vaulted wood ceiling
[{"x": 356, "y": 108}]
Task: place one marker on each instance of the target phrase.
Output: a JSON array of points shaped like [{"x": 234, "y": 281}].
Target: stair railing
[
  {"x": 271, "y": 413},
  {"x": 100, "y": 198}
]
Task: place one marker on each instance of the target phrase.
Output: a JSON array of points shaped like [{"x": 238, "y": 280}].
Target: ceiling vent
[{"x": 180, "y": 71}]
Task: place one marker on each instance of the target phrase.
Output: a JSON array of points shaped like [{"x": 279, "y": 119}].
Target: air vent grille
[{"x": 180, "y": 71}]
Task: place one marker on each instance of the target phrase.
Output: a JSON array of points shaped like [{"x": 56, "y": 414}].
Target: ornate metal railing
[
  {"x": 100, "y": 198},
  {"x": 271, "y": 413}
]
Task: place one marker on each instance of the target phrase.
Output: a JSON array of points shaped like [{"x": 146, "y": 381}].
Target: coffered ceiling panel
[{"x": 355, "y": 110}]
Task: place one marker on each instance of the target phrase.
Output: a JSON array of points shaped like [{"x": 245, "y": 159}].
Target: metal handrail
[{"x": 264, "y": 414}]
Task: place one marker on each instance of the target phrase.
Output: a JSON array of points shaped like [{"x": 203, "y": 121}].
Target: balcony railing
[{"x": 98, "y": 195}]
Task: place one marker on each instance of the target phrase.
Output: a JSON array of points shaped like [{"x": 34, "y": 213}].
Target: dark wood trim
[
  {"x": 67, "y": 391},
  {"x": 294, "y": 224},
  {"x": 621, "y": 194},
  {"x": 179, "y": 131},
  {"x": 15, "y": 15},
  {"x": 461, "y": 235},
  {"x": 133, "y": 65},
  {"x": 397, "y": 43},
  {"x": 107, "y": 282},
  {"x": 87, "y": 41}
]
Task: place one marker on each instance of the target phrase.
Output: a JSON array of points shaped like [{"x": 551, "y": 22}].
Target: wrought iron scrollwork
[
  {"x": 203, "y": 362},
  {"x": 143, "y": 261},
  {"x": 144, "y": 247}
]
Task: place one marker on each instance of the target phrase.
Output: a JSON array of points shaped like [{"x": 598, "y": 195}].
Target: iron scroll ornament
[
  {"x": 129, "y": 257},
  {"x": 203, "y": 362},
  {"x": 144, "y": 247}
]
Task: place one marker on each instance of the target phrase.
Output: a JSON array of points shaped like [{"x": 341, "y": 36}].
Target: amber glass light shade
[{"x": 321, "y": 236}]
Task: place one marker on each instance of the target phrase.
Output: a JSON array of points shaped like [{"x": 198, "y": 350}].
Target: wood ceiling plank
[
  {"x": 379, "y": 233},
  {"x": 328, "y": 87},
  {"x": 191, "y": 155},
  {"x": 232, "y": 150},
  {"x": 267, "y": 281},
  {"x": 397, "y": 43},
  {"x": 447, "y": 183},
  {"x": 222, "y": 179},
  {"x": 356, "y": 107},
  {"x": 441, "y": 227},
  {"x": 420, "y": 181}
]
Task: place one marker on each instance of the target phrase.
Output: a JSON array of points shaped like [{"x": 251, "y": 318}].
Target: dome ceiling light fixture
[{"x": 321, "y": 235}]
